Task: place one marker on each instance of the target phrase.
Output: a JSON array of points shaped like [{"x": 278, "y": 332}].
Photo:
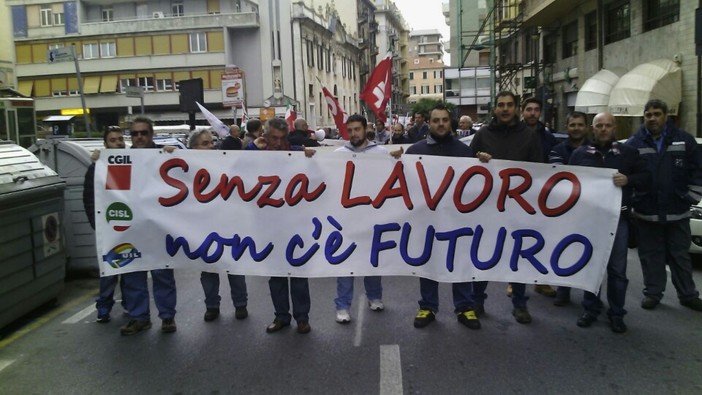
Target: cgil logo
[
  {"x": 119, "y": 173},
  {"x": 120, "y": 215},
  {"x": 121, "y": 255},
  {"x": 119, "y": 160}
]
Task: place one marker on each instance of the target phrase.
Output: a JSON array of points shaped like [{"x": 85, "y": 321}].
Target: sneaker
[
  {"x": 649, "y": 303},
  {"x": 521, "y": 314},
  {"x": 241, "y": 312},
  {"x": 376, "y": 305},
  {"x": 343, "y": 316},
  {"x": 168, "y": 325},
  {"x": 479, "y": 309},
  {"x": 303, "y": 327},
  {"x": 694, "y": 304},
  {"x": 617, "y": 324},
  {"x": 545, "y": 289},
  {"x": 469, "y": 319},
  {"x": 509, "y": 290},
  {"x": 103, "y": 318},
  {"x": 586, "y": 320},
  {"x": 211, "y": 314},
  {"x": 135, "y": 326},
  {"x": 423, "y": 318}
]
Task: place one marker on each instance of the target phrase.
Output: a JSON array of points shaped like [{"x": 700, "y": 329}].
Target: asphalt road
[{"x": 63, "y": 350}]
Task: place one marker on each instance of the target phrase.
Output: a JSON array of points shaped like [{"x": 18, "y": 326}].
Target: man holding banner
[
  {"x": 506, "y": 138},
  {"x": 440, "y": 141}
]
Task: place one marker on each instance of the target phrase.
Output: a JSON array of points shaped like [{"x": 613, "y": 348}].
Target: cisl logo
[
  {"x": 119, "y": 172},
  {"x": 121, "y": 255},
  {"x": 120, "y": 215}
]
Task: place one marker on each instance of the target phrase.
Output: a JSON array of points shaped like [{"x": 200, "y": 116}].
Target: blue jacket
[
  {"x": 548, "y": 140},
  {"x": 676, "y": 175},
  {"x": 448, "y": 146},
  {"x": 615, "y": 155},
  {"x": 561, "y": 152}
]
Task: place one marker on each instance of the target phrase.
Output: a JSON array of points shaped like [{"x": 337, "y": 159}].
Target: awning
[
  {"x": 58, "y": 118},
  {"x": 91, "y": 84},
  {"x": 25, "y": 88},
  {"x": 593, "y": 97},
  {"x": 108, "y": 84},
  {"x": 658, "y": 79}
]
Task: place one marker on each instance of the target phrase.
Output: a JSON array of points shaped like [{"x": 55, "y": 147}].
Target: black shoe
[
  {"x": 211, "y": 314},
  {"x": 617, "y": 324},
  {"x": 521, "y": 315},
  {"x": 649, "y": 303},
  {"x": 103, "y": 318},
  {"x": 303, "y": 327},
  {"x": 241, "y": 312},
  {"x": 586, "y": 320},
  {"x": 469, "y": 319},
  {"x": 479, "y": 309},
  {"x": 276, "y": 325},
  {"x": 423, "y": 318},
  {"x": 168, "y": 325},
  {"x": 135, "y": 326},
  {"x": 694, "y": 304}
]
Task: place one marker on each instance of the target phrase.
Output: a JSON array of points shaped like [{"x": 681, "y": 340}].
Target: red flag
[
  {"x": 290, "y": 117},
  {"x": 378, "y": 89},
  {"x": 337, "y": 112}
]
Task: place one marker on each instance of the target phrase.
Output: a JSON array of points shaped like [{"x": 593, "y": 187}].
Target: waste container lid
[{"x": 17, "y": 164}]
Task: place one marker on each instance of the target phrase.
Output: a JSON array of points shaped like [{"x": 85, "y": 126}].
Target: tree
[{"x": 425, "y": 105}]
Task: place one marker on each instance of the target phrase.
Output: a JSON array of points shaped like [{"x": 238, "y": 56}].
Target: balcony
[
  {"x": 156, "y": 24},
  {"x": 544, "y": 12}
]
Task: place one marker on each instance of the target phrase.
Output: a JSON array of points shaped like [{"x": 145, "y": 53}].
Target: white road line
[
  {"x": 390, "y": 370},
  {"x": 81, "y": 315},
  {"x": 5, "y": 363},
  {"x": 358, "y": 332}
]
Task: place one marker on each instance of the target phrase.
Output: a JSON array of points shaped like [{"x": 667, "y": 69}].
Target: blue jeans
[
  {"x": 616, "y": 276},
  {"x": 299, "y": 293},
  {"x": 136, "y": 291},
  {"x": 210, "y": 284},
  {"x": 519, "y": 298},
  {"x": 429, "y": 290},
  {"x": 344, "y": 290},
  {"x": 105, "y": 299},
  {"x": 661, "y": 244}
]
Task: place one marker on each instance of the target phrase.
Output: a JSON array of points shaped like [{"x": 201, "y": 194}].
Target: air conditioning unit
[{"x": 158, "y": 14}]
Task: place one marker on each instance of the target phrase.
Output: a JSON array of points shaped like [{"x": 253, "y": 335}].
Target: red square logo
[{"x": 119, "y": 177}]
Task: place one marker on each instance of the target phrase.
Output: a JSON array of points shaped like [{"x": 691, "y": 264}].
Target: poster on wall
[{"x": 233, "y": 91}]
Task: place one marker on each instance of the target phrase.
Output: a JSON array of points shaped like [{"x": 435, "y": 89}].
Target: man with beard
[
  {"x": 663, "y": 214},
  {"x": 358, "y": 143},
  {"x": 506, "y": 138},
  {"x": 419, "y": 130},
  {"x": 440, "y": 141}
]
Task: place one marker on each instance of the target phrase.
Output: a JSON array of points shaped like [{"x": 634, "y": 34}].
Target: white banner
[{"x": 340, "y": 214}]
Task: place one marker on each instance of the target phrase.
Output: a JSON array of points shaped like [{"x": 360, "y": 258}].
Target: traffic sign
[
  {"x": 135, "y": 91},
  {"x": 60, "y": 55}
]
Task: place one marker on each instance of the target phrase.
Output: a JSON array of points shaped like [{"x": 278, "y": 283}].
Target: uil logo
[
  {"x": 120, "y": 215},
  {"x": 121, "y": 255}
]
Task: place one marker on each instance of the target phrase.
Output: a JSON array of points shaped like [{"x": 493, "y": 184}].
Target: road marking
[
  {"x": 358, "y": 333},
  {"x": 390, "y": 370},
  {"x": 79, "y": 316},
  {"x": 5, "y": 363},
  {"x": 45, "y": 318}
]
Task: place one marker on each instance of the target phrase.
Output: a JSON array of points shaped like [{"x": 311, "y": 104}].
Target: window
[
  {"x": 55, "y": 46},
  {"x": 108, "y": 49},
  {"x": 549, "y": 55},
  {"x": 570, "y": 39},
  {"x": 177, "y": 8},
  {"x": 438, "y": 89},
  {"x": 424, "y": 75},
  {"x": 591, "y": 31},
  {"x": 310, "y": 90},
  {"x": 328, "y": 53},
  {"x": 58, "y": 18},
  {"x": 59, "y": 93},
  {"x": 107, "y": 15},
  {"x": 438, "y": 74},
  {"x": 411, "y": 75},
  {"x": 310, "y": 54},
  {"x": 237, "y": 5},
  {"x": 425, "y": 89},
  {"x": 320, "y": 57},
  {"x": 617, "y": 21},
  {"x": 659, "y": 13},
  {"x": 46, "y": 19},
  {"x": 198, "y": 42},
  {"x": 125, "y": 82},
  {"x": 147, "y": 83},
  {"x": 413, "y": 90},
  {"x": 165, "y": 84},
  {"x": 90, "y": 51}
]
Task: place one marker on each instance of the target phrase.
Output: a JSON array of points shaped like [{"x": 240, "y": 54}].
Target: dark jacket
[
  {"x": 89, "y": 194},
  {"x": 615, "y": 155},
  {"x": 511, "y": 142},
  {"x": 301, "y": 137},
  {"x": 432, "y": 145},
  {"x": 561, "y": 152},
  {"x": 548, "y": 140},
  {"x": 676, "y": 175},
  {"x": 230, "y": 143},
  {"x": 400, "y": 140},
  {"x": 416, "y": 133}
]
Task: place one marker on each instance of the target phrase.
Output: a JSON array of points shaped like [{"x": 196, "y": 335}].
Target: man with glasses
[
  {"x": 135, "y": 283},
  {"x": 662, "y": 214}
]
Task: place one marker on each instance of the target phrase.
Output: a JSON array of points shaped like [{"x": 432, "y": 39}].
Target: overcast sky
[{"x": 424, "y": 14}]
